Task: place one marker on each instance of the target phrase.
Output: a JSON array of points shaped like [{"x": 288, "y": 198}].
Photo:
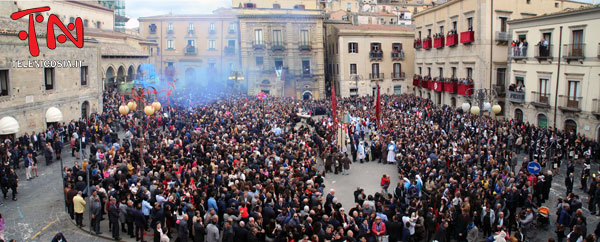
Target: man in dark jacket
[
  {"x": 140, "y": 222},
  {"x": 182, "y": 232},
  {"x": 228, "y": 233},
  {"x": 96, "y": 211},
  {"x": 395, "y": 229},
  {"x": 158, "y": 217},
  {"x": 113, "y": 216}
]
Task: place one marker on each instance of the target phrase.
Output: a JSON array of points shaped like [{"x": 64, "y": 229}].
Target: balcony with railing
[
  {"x": 503, "y": 37},
  {"x": 170, "y": 31},
  {"x": 424, "y": 83},
  {"x": 398, "y": 75},
  {"x": 376, "y": 76},
  {"x": 397, "y": 55},
  {"x": 543, "y": 52},
  {"x": 450, "y": 86},
  {"x": 517, "y": 53},
  {"x": 467, "y": 37},
  {"x": 574, "y": 51},
  {"x": 229, "y": 50},
  {"x": 305, "y": 46},
  {"x": 596, "y": 106},
  {"x": 541, "y": 100},
  {"x": 258, "y": 45},
  {"x": 438, "y": 42},
  {"x": 277, "y": 46},
  {"x": 418, "y": 44},
  {"x": 212, "y": 31},
  {"x": 376, "y": 55},
  {"x": 465, "y": 89},
  {"x": 190, "y": 31},
  {"x": 190, "y": 50},
  {"x": 569, "y": 103},
  {"x": 416, "y": 80},
  {"x": 516, "y": 97},
  {"x": 427, "y": 44},
  {"x": 452, "y": 40}
]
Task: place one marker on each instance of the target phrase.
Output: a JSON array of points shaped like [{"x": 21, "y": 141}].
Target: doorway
[
  {"x": 570, "y": 126},
  {"x": 85, "y": 109}
]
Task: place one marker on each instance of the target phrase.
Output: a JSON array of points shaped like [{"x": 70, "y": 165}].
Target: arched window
[
  {"x": 570, "y": 126},
  {"x": 519, "y": 115},
  {"x": 542, "y": 120}
]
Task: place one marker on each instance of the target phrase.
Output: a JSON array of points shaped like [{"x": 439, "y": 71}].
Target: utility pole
[{"x": 557, "y": 75}]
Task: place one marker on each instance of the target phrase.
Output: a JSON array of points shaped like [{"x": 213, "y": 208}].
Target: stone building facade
[
  {"x": 28, "y": 91},
  {"x": 557, "y": 75},
  {"x": 472, "y": 43},
  {"x": 360, "y": 57},
  {"x": 282, "y": 47},
  {"x": 195, "y": 49}
]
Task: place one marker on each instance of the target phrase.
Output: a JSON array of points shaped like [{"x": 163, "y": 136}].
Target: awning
[
  {"x": 53, "y": 115},
  {"x": 8, "y": 125}
]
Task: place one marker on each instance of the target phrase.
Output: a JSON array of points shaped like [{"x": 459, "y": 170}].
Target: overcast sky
[{"x": 144, "y": 8}]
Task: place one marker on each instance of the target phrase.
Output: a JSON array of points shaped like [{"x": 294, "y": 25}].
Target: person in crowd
[{"x": 79, "y": 208}]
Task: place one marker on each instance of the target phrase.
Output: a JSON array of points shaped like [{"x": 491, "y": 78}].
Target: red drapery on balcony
[
  {"x": 437, "y": 85},
  {"x": 463, "y": 88},
  {"x": 438, "y": 42},
  {"x": 430, "y": 85},
  {"x": 450, "y": 87},
  {"x": 452, "y": 40},
  {"x": 427, "y": 44},
  {"x": 424, "y": 83},
  {"x": 416, "y": 81},
  {"x": 467, "y": 37}
]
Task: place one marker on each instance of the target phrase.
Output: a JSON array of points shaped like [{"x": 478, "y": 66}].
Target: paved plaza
[{"x": 39, "y": 212}]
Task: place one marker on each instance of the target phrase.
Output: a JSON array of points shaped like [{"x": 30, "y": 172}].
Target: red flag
[
  {"x": 333, "y": 104},
  {"x": 378, "y": 107}
]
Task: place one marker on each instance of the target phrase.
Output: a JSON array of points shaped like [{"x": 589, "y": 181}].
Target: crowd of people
[{"x": 244, "y": 169}]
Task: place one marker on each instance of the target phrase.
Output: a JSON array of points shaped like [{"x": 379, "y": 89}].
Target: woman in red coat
[{"x": 378, "y": 227}]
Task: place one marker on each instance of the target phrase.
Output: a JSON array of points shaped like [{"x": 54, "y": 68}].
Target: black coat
[
  {"x": 228, "y": 235},
  {"x": 113, "y": 214},
  {"x": 182, "y": 232}
]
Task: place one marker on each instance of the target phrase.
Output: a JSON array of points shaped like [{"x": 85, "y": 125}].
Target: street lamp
[
  {"x": 236, "y": 77},
  {"x": 139, "y": 94},
  {"x": 482, "y": 100}
]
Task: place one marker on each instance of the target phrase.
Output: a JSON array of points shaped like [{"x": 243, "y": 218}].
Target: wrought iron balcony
[
  {"x": 376, "y": 55},
  {"x": 376, "y": 76},
  {"x": 541, "y": 100},
  {"x": 516, "y": 97},
  {"x": 190, "y": 50},
  {"x": 503, "y": 37},
  {"x": 305, "y": 47},
  {"x": 170, "y": 31},
  {"x": 397, "y": 55},
  {"x": 569, "y": 103},
  {"x": 596, "y": 106},
  {"x": 543, "y": 52},
  {"x": 398, "y": 75},
  {"x": 258, "y": 45},
  {"x": 277, "y": 47},
  {"x": 574, "y": 51},
  {"x": 517, "y": 53}
]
